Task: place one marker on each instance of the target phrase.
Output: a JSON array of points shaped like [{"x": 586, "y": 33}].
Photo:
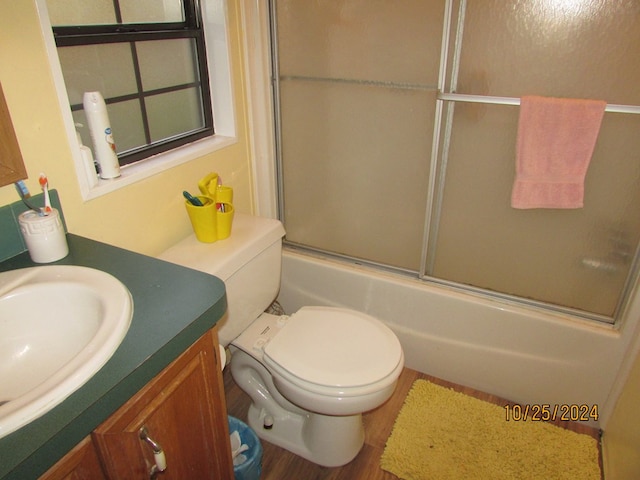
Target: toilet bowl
[{"x": 310, "y": 375}]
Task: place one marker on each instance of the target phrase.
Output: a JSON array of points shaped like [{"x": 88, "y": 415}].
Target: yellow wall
[{"x": 147, "y": 216}]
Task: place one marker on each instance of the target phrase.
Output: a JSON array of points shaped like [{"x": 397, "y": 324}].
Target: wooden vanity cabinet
[
  {"x": 183, "y": 410},
  {"x": 80, "y": 463}
]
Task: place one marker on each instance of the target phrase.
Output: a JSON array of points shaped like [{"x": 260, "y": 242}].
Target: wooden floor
[{"x": 280, "y": 464}]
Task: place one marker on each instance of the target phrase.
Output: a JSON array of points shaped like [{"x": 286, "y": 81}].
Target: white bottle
[
  {"x": 87, "y": 162},
  {"x": 101, "y": 134}
]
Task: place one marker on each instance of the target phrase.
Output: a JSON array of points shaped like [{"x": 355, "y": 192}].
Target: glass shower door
[
  {"x": 575, "y": 258},
  {"x": 362, "y": 87},
  {"x": 357, "y": 87}
]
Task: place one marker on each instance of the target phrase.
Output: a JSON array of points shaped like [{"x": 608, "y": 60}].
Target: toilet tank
[{"x": 249, "y": 263}]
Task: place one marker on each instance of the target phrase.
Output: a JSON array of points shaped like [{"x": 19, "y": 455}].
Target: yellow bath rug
[{"x": 442, "y": 434}]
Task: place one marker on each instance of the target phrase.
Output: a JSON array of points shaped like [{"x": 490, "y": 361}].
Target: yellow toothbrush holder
[
  {"x": 224, "y": 194},
  {"x": 224, "y": 218},
  {"x": 204, "y": 219},
  {"x": 219, "y": 210},
  {"x": 209, "y": 187}
]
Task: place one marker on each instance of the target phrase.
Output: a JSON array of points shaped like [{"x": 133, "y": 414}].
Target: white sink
[{"x": 58, "y": 326}]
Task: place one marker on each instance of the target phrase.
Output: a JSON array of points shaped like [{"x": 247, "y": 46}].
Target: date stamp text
[{"x": 545, "y": 412}]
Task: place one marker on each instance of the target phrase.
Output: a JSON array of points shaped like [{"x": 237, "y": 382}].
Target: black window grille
[{"x": 132, "y": 34}]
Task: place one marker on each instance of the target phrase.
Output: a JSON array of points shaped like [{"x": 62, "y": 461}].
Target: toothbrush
[
  {"x": 23, "y": 191},
  {"x": 220, "y": 206},
  {"x": 44, "y": 183},
  {"x": 195, "y": 201}
]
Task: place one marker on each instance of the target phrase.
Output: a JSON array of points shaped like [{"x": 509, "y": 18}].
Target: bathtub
[{"x": 526, "y": 355}]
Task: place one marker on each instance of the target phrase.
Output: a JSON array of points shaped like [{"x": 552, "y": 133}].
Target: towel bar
[{"x": 463, "y": 97}]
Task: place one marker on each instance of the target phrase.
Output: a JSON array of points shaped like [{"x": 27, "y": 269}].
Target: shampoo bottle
[{"x": 101, "y": 134}]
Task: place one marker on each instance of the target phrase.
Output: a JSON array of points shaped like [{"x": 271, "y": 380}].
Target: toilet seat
[{"x": 335, "y": 352}]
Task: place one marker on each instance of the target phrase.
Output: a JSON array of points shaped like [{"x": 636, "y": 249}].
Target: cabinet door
[
  {"x": 183, "y": 409},
  {"x": 79, "y": 464},
  {"x": 12, "y": 167}
]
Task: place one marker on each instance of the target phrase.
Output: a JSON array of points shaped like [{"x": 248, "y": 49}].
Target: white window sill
[{"x": 153, "y": 165}]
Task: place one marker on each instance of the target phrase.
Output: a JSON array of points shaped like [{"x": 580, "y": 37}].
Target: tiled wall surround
[{"x": 11, "y": 241}]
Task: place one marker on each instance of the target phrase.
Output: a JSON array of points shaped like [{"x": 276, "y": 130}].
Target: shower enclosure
[{"x": 396, "y": 125}]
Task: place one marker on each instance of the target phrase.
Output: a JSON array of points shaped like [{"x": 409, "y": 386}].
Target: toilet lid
[{"x": 335, "y": 347}]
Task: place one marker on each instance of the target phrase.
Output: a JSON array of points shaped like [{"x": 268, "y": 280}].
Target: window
[
  {"x": 164, "y": 70},
  {"x": 148, "y": 60}
]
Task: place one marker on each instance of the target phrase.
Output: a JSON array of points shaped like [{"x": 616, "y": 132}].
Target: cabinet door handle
[{"x": 158, "y": 453}]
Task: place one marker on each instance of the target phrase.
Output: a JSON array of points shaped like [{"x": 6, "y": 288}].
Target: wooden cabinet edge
[
  {"x": 12, "y": 166},
  {"x": 81, "y": 462}
]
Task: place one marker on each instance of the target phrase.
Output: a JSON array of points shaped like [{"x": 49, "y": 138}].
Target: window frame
[
  {"x": 131, "y": 33},
  {"x": 220, "y": 83}
]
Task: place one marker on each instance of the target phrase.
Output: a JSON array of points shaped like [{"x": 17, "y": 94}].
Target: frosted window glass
[
  {"x": 151, "y": 11},
  {"x": 81, "y": 12},
  {"x": 126, "y": 122},
  {"x": 165, "y": 63},
  {"x": 102, "y": 12},
  {"x": 174, "y": 113},
  {"x": 356, "y": 168},
  {"x": 106, "y": 68}
]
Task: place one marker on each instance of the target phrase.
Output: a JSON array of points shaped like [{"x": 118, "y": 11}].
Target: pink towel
[{"x": 556, "y": 138}]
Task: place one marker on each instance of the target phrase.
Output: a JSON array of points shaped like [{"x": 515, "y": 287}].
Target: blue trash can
[{"x": 251, "y": 468}]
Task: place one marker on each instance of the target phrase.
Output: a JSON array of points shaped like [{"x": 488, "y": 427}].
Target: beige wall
[{"x": 147, "y": 216}]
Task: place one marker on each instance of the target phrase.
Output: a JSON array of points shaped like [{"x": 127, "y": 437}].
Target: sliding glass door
[{"x": 397, "y": 126}]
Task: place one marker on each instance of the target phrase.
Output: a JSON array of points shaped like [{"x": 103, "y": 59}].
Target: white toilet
[{"x": 310, "y": 375}]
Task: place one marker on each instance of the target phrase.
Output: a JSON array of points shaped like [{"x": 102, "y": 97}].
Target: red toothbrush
[{"x": 44, "y": 183}]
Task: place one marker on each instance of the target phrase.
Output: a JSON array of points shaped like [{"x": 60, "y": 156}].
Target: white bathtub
[{"x": 525, "y": 355}]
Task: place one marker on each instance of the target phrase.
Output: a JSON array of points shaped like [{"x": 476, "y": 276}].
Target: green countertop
[{"x": 173, "y": 307}]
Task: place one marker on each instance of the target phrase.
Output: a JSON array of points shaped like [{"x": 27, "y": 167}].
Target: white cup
[{"x": 44, "y": 236}]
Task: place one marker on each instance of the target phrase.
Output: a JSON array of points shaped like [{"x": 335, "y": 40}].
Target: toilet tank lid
[{"x": 250, "y": 236}]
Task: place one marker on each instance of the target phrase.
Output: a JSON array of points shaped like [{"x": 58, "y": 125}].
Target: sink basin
[{"x": 59, "y": 325}]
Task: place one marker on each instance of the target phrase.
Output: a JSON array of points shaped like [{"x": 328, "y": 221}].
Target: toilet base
[
  {"x": 330, "y": 441},
  {"x": 327, "y": 440}
]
